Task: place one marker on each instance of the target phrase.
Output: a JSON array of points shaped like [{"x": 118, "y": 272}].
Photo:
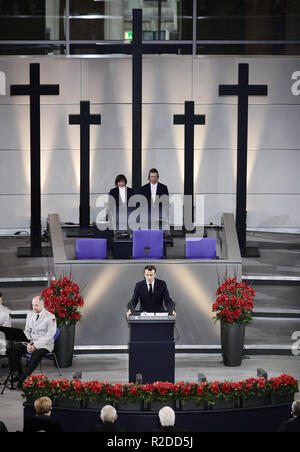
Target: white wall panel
[
  {"x": 106, "y": 165},
  {"x": 160, "y": 132},
  {"x": 168, "y": 81},
  {"x": 15, "y": 211},
  {"x": 67, "y": 206},
  {"x": 14, "y": 172},
  {"x": 107, "y": 80},
  {"x": 274, "y": 126},
  {"x": 273, "y": 211},
  {"x": 58, "y": 71},
  {"x": 274, "y": 172},
  {"x": 276, "y": 72}
]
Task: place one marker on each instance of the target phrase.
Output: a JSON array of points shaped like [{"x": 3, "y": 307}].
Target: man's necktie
[
  {"x": 37, "y": 317},
  {"x": 150, "y": 291}
]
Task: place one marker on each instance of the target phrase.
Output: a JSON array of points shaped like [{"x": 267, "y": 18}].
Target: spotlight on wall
[
  {"x": 202, "y": 378},
  {"x": 262, "y": 373}
]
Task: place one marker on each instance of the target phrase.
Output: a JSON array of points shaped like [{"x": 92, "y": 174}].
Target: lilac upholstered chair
[
  {"x": 147, "y": 244},
  {"x": 49, "y": 355},
  {"x": 91, "y": 249},
  {"x": 200, "y": 249}
]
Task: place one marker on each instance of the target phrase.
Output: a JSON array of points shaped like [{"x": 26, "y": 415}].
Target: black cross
[
  {"x": 84, "y": 119},
  {"x": 137, "y": 68},
  {"x": 35, "y": 90},
  {"x": 243, "y": 90},
  {"x": 189, "y": 119}
]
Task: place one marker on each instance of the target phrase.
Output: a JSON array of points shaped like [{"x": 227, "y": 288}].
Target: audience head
[
  {"x": 43, "y": 405},
  {"x": 153, "y": 176},
  {"x": 37, "y": 304},
  {"x": 121, "y": 180},
  {"x": 296, "y": 408},
  {"x": 108, "y": 414},
  {"x": 167, "y": 417}
]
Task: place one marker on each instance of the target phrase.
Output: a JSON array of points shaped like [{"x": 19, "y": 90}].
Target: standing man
[
  {"x": 152, "y": 192},
  {"x": 152, "y": 294},
  {"x": 40, "y": 329}
]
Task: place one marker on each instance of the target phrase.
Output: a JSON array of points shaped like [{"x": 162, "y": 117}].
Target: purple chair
[
  {"x": 147, "y": 244},
  {"x": 200, "y": 248},
  {"x": 91, "y": 249},
  {"x": 49, "y": 355}
]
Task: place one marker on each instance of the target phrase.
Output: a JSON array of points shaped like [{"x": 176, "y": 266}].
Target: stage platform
[{"x": 108, "y": 286}]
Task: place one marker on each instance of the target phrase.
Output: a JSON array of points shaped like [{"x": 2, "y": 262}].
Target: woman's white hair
[
  {"x": 108, "y": 413},
  {"x": 296, "y": 408},
  {"x": 166, "y": 416}
]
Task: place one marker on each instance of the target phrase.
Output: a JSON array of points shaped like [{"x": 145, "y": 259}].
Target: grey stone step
[{"x": 272, "y": 331}]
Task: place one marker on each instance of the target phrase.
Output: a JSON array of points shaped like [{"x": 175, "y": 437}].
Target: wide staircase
[{"x": 275, "y": 276}]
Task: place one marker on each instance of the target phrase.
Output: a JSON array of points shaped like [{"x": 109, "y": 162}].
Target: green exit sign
[{"x": 128, "y": 35}]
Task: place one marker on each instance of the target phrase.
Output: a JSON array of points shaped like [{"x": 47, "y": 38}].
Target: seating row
[{"x": 146, "y": 244}]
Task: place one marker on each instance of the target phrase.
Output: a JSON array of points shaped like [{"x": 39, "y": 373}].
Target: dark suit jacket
[
  {"x": 3, "y": 428},
  {"x": 146, "y": 191},
  {"x": 159, "y": 297},
  {"x": 41, "y": 422},
  {"x": 107, "y": 427},
  {"x": 291, "y": 426},
  {"x": 114, "y": 192}
]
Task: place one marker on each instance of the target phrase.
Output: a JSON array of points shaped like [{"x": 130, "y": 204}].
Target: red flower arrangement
[
  {"x": 40, "y": 385},
  {"x": 234, "y": 303},
  {"x": 63, "y": 300}
]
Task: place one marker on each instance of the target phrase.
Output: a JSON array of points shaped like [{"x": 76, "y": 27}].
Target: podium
[{"x": 152, "y": 348}]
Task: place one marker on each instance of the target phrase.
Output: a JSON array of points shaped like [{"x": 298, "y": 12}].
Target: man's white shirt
[{"x": 153, "y": 191}]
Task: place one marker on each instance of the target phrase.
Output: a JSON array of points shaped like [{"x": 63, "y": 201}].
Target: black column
[{"x": 137, "y": 56}]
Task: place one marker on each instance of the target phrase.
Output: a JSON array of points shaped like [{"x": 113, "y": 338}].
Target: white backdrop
[{"x": 168, "y": 81}]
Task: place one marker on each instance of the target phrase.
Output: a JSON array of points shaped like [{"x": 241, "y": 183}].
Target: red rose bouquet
[
  {"x": 63, "y": 300},
  {"x": 234, "y": 303}
]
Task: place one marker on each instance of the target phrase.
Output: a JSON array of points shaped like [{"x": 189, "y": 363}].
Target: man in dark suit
[
  {"x": 152, "y": 294},
  {"x": 157, "y": 197},
  {"x": 292, "y": 425},
  {"x": 108, "y": 417}
]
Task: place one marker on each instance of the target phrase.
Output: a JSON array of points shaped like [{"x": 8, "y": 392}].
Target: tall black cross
[
  {"x": 243, "y": 90},
  {"x": 189, "y": 119},
  {"x": 84, "y": 119},
  {"x": 35, "y": 90},
  {"x": 137, "y": 68}
]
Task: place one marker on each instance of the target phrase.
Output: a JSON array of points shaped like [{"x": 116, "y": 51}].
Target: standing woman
[{"x": 121, "y": 195}]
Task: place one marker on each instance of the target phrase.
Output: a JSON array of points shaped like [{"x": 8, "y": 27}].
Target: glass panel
[
  {"x": 252, "y": 49},
  {"x": 248, "y": 19},
  {"x": 32, "y": 20},
  {"x": 112, "y": 19},
  {"x": 34, "y": 49}
]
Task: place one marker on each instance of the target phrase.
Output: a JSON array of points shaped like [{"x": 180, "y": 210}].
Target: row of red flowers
[{"x": 40, "y": 385}]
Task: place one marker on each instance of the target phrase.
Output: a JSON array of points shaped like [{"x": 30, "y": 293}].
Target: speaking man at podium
[{"x": 152, "y": 294}]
